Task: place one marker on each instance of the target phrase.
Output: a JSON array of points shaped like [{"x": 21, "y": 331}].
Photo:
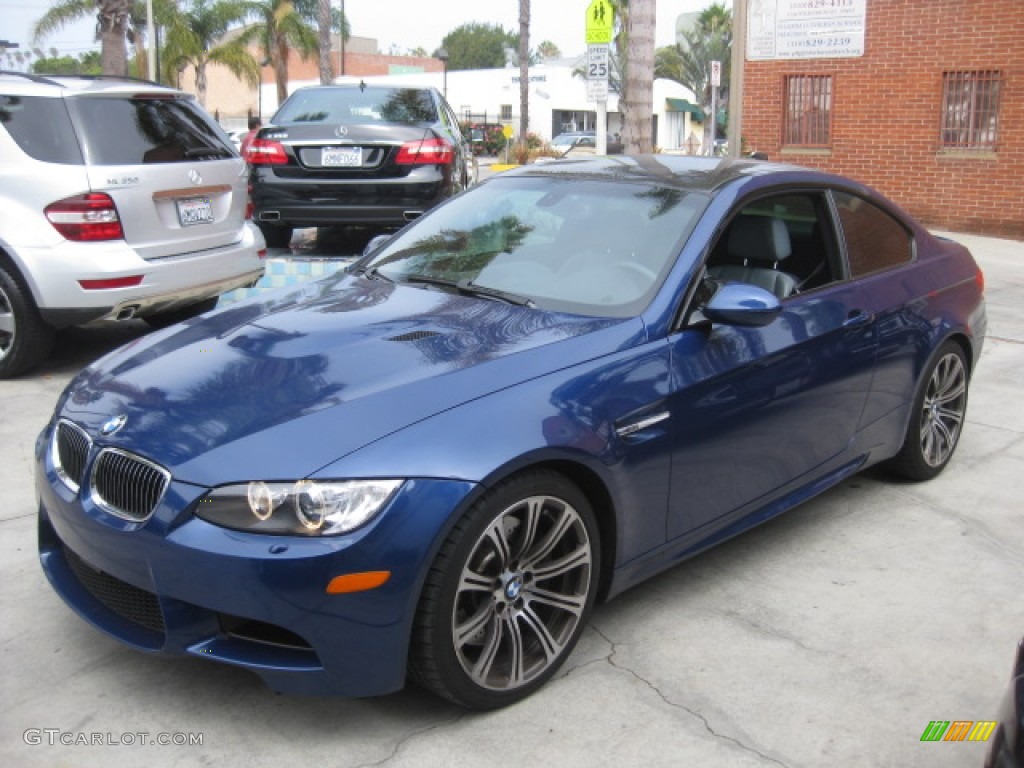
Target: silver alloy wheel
[
  {"x": 522, "y": 592},
  {"x": 7, "y": 324},
  {"x": 945, "y": 402}
]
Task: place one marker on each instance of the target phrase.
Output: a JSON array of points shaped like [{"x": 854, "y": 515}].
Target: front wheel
[
  {"x": 509, "y": 593},
  {"x": 937, "y": 417}
]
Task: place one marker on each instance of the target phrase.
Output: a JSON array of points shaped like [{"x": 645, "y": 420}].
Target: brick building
[{"x": 929, "y": 109}]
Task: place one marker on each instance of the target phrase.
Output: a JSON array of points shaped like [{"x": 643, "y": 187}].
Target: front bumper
[{"x": 177, "y": 585}]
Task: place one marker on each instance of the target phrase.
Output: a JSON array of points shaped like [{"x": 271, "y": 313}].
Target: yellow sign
[
  {"x": 507, "y": 131},
  {"x": 600, "y": 20}
]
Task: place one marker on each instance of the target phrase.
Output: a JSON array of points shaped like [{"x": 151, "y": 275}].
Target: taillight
[
  {"x": 265, "y": 152},
  {"x": 87, "y": 217},
  {"x": 425, "y": 152},
  {"x": 979, "y": 279}
]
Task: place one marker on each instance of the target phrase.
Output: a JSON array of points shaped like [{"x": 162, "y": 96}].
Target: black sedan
[
  {"x": 366, "y": 155},
  {"x": 1007, "y": 746}
]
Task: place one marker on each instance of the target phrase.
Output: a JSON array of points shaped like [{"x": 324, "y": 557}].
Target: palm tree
[
  {"x": 197, "y": 37},
  {"x": 524, "y": 70},
  {"x": 113, "y": 20},
  {"x": 280, "y": 26},
  {"x": 637, "y": 99},
  {"x": 690, "y": 63}
]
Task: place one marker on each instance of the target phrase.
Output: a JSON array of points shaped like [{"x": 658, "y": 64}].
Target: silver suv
[{"x": 119, "y": 198}]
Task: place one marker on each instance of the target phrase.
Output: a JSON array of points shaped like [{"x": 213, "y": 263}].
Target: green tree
[
  {"x": 478, "y": 46},
  {"x": 197, "y": 37},
  {"x": 113, "y": 20},
  {"x": 279, "y": 27},
  {"x": 689, "y": 63},
  {"x": 548, "y": 50},
  {"x": 86, "y": 64}
]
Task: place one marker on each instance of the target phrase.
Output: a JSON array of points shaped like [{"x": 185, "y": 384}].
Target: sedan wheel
[
  {"x": 25, "y": 340},
  {"x": 509, "y": 593},
  {"x": 938, "y": 417}
]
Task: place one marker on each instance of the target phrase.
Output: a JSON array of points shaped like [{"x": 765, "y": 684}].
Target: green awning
[{"x": 682, "y": 105}]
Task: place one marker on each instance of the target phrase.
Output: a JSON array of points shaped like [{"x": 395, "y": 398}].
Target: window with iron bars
[
  {"x": 807, "y": 119},
  {"x": 970, "y": 109},
  {"x": 506, "y": 111}
]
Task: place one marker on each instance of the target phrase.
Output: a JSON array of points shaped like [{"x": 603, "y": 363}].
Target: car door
[{"x": 761, "y": 411}]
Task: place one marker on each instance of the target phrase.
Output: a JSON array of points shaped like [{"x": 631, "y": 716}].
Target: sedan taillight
[
  {"x": 425, "y": 152},
  {"x": 265, "y": 152},
  {"x": 89, "y": 217}
]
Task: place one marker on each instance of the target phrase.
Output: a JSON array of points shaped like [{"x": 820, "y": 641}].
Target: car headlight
[{"x": 307, "y": 507}]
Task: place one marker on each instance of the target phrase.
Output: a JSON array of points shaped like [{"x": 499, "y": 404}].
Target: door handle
[{"x": 857, "y": 317}]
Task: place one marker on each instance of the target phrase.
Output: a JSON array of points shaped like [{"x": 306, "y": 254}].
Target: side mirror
[{"x": 743, "y": 305}]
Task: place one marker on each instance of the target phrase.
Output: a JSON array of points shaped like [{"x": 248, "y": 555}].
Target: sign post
[
  {"x": 716, "y": 81},
  {"x": 600, "y": 21}
]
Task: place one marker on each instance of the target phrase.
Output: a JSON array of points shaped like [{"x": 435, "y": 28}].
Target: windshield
[
  {"x": 588, "y": 247},
  {"x": 358, "y": 105}
]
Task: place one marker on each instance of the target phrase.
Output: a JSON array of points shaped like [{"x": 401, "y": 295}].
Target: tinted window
[
  {"x": 41, "y": 127},
  {"x": 358, "y": 105},
  {"x": 874, "y": 239},
  {"x": 139, "y": 130}
]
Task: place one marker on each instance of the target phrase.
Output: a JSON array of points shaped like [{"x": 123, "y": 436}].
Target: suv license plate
[
  {"x": 198, "y": 210},
  {"x": 345, "y": 157}
]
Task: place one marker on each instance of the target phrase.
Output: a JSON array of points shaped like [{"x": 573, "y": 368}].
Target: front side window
[
  {"x": 970, "y": 110},
  {"x": 807, "y": 118},
  {"x": 874, "y": 239},
  {"x": 585, "y": 247}
]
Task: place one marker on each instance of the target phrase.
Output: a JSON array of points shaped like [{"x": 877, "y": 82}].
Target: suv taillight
[
  {"x": 425, "y": 152},
  {"x": 89, "y": 217},
  {"x": 265, "y": 152}
]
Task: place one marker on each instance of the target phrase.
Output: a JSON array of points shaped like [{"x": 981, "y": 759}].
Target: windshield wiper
[
  {"x": 469, "y": 288},
  {"x": 375, "y": 274}
]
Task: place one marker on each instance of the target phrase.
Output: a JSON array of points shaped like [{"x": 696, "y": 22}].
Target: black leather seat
[{"x": 759, "y": 244}]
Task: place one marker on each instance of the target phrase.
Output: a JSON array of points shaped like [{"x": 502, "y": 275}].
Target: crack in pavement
[
  {"x": 405, "y": 739},
  {"x": 764, "y": 629},
  {"x": 707, "y": 726}
]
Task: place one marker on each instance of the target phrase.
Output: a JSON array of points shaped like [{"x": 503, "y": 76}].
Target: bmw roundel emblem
[{"x": 110, "y": 426}]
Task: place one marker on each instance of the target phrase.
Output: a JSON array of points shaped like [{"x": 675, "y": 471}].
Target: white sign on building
[{"x": 805, "y": 29}]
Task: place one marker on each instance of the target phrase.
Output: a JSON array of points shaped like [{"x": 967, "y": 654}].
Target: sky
[{"x": 404, "y": 23}]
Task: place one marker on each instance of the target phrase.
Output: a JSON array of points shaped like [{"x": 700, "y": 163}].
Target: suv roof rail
[{"x": 48, "y": 79}]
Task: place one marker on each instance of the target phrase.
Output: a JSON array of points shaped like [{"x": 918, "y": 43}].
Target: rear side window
[
  {"x": 41, "y": 127},
  {"x": 143, "y": 130},
  {"x": 874, "y": 239},
  {"x": 358, "y": 105}
]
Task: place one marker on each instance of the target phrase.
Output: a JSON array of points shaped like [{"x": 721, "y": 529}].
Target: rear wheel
[
  {"x": 509, "y": 593},
  {"x": 164, "y": 319},
  {"x": 25, "y": 340},
  {"x": 277, "y": 236},
  {"x": 937, "y": 418}
]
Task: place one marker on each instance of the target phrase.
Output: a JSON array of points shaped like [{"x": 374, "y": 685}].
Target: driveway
[{"x": 831, "y": 636}]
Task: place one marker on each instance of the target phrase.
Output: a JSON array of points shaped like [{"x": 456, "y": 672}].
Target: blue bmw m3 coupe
[{"x": 566, "y": 379}]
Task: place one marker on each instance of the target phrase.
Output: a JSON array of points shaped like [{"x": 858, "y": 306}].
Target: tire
[
  {"x": 276, "y": 236},
  {"x": 509, "y": 593},
  {"x": 164, "y": 319},
  {"x": 937, "y": 416},
  {"x": 25, "y": 340}
]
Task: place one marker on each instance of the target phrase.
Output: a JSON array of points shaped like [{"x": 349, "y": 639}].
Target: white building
[{"x": 558, "y": 101}]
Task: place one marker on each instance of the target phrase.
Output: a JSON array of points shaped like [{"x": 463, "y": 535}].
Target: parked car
[
  {"x": 574, "y": 143},
  {"x": 1006, "y": 748},
  {"x": 371, "y": 155},
  {"x": 536, "y": 396},
  {"x": 118, "y": 198}
]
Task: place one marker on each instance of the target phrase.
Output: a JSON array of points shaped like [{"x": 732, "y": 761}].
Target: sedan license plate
[
  {"x": 196, "y": 210},
  {"x": 341, "y": 157}
]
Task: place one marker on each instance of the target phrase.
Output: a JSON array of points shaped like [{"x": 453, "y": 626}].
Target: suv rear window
[
  {"x": 141, "y": 130},
  {"x": 41, "y": 127},
  {"x": 358, "y": 105}
]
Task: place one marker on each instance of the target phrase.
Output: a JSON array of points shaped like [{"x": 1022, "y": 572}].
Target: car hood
[{"x": 278, "y": 387}]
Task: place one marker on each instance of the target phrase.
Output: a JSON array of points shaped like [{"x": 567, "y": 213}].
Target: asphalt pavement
[{"x": 829, "y": 637}]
